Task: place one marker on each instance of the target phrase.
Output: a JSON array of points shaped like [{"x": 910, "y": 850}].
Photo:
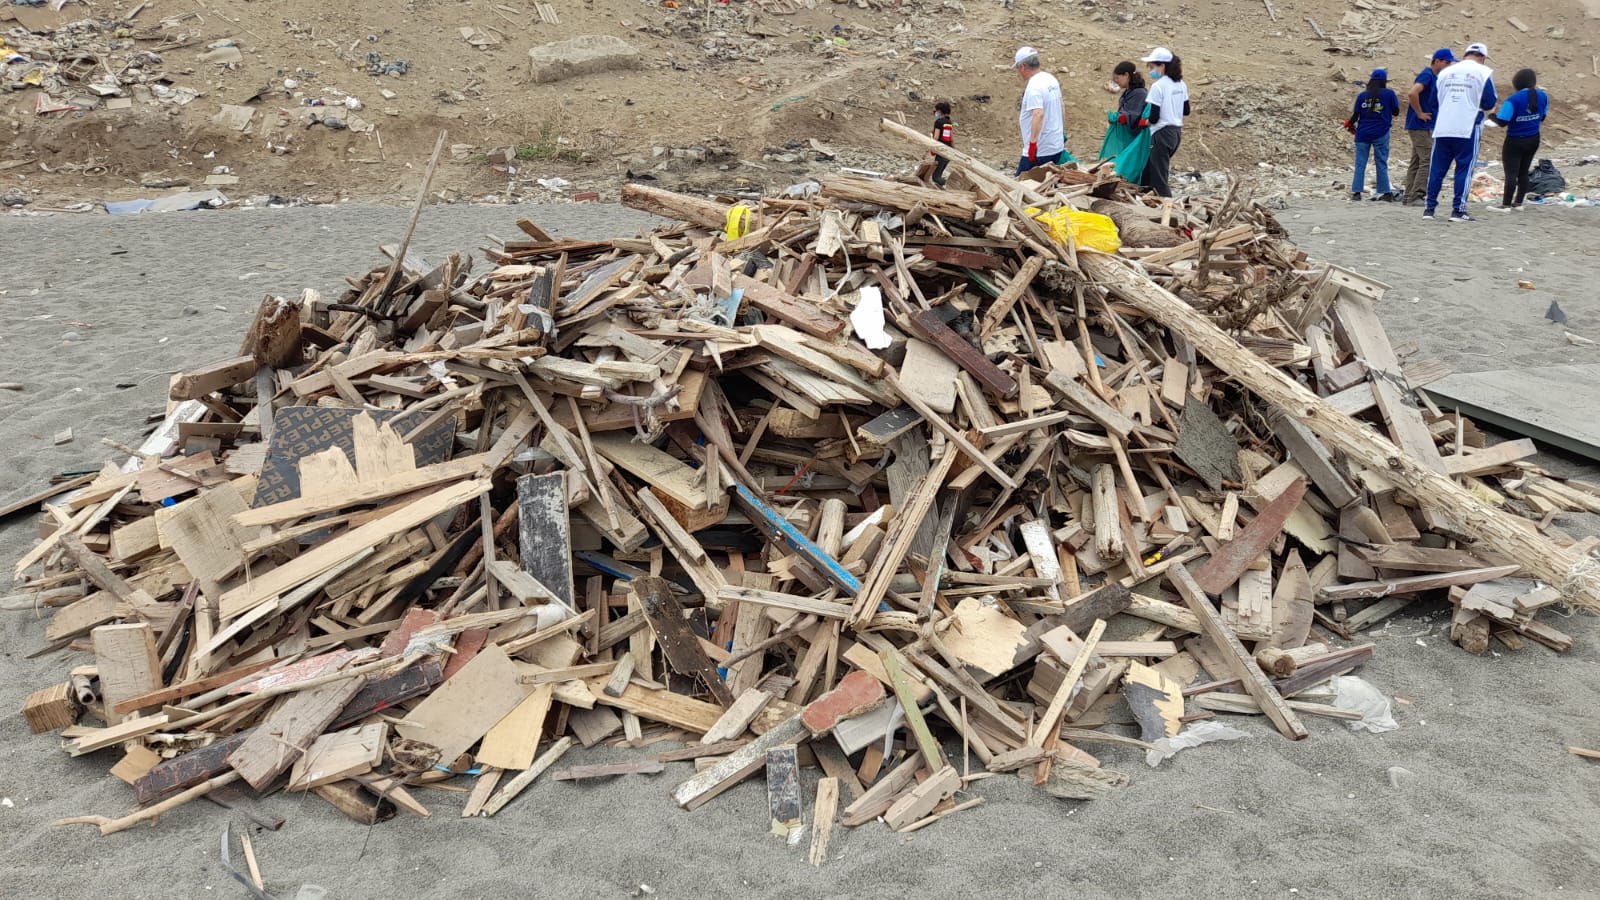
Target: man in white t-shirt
[
  {"x": 1466, "y": 92},
  {"x": 1043, "y": 140}
]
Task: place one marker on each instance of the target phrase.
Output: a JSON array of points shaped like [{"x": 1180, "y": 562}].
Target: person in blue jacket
[
  {"x": 1522, "y": 114},
  {"x": 1375, "y": 112}
]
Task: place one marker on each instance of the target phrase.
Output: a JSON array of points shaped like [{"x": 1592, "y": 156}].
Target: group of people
[
  {"x": 1447, "y": 108},
  {"x": 1155, "y": 108}
]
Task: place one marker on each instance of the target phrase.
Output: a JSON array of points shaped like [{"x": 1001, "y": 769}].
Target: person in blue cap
[
  {"x": 1422, "y": 104},
  {"x": 1466, "y": 92},
  {"x": 1375, "y": 111}
]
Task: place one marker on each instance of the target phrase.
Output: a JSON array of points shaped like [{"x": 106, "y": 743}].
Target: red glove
[
  {"x": 1144, "y": 123},
  {"x": 1122, "y": 118},
  {"x": 1033, "y": 153}
]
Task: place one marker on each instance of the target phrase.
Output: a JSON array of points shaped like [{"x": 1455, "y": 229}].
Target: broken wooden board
[{"x": 301, "y": 431}]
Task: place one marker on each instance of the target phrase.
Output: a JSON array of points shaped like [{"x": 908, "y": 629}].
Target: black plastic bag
[{"x": 1544, "y": 179}]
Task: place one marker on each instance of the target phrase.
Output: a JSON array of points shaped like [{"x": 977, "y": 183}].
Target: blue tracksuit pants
[{"x": 1448, "y": 151}]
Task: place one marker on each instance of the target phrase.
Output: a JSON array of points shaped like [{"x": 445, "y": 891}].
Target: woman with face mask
[{"x": 1169, "y": 102}]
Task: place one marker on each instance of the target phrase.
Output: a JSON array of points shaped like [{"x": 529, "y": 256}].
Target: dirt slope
[{"x": 729, "y": 98}]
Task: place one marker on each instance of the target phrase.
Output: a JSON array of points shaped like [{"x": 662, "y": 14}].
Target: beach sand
[{"x": 1496, "y": 807}]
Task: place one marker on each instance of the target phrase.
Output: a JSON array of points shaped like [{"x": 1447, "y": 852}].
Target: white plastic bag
[
  {"x": 1196, "y": 734},
  {"x": 1350, "y": 692}
]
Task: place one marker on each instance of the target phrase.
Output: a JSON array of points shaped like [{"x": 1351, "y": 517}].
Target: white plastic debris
[
  {"x": 867, "y": 319},
  {"x": 1351, "y": 692},
  {"x": 1193, "y": 736}
]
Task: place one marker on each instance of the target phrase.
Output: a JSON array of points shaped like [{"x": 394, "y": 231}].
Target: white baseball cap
[
  {"x": 1159, "y": 54},
  {"x": 1022, "y": 54},
  {"x": 1479, "y": 49}
]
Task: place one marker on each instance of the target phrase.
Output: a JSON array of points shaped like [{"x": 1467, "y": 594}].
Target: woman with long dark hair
[
  {"x": 1375, "y": 111},
  {"x": 1130, "y": 105},
  {"x": 1169, "y": 103},
  {"x": 1522, "y": 114}
]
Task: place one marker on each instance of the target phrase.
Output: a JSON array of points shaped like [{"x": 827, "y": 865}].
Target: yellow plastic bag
[{"x": 1090, "y": 231}]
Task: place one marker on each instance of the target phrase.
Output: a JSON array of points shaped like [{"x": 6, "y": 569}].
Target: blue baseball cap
[
  {"x": 1380, "y": 75},
  {"x": 1444, "y": 54}
]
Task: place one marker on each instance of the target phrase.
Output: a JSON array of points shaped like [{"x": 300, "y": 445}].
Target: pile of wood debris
[{"x": 891, "y": 466}]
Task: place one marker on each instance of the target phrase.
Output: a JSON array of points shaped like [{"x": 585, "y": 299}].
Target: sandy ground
[{"x": 1496, "y": 808}]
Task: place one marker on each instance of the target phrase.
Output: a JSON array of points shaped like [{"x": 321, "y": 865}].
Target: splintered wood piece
[
  {"x": 733, "y": 723},
  {"x": 918, "y": 726},
  {"x": 514, "y": 740},
  {"x": 128, "y": 664},
  {"x": 338, "y": 755},
  {"x": 1242, "y": 664},
  {"x": 883, "y": 792},
  {"x": 520, "y": 783},
  {"x": 1051, "y": 719},
  {"x": 931, "y": 327},
  {"x": 826, "y": 809},
  {"x": 463, "y": 709},
  {"x": 545, "y": 533},
  {"x": 290, "y": 729},
  {"x": 1156, "y": 702},
  {"x": 920, "y": 800},
  {"x": 783, "y": 792},
  {"x": 678, "y": 644},
  {"x": 738, "y": 765},
  {"x": 51, "y": 709},
  {"x": 1291, "y": 604},
  {"x": 1230, "y": 561}
]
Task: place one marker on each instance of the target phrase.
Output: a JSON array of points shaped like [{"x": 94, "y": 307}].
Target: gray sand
[{"x": 1497, "y": 809}]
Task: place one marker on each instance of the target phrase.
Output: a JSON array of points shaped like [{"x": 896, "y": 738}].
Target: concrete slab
[{"x": 1557, "y": 406}]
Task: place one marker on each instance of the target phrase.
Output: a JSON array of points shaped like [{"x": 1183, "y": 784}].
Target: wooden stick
[{"x": 112, "y": 826}]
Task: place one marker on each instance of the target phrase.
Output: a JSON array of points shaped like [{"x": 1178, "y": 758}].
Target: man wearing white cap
[
  {"x": 1466, "y": 92},
  {"x": 1169, "y": 103},
  {"x": 1043, "y": 140}
]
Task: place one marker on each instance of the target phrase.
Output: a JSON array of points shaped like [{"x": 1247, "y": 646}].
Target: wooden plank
[
  {"x": 334, "y": 551},
  {"x": 920, "y": 800},
  {"x": 738, "y": 765},
  {"x": 1384, "y": 588},
  {"x": 51, "y": 709},
  {"x": 780, "y": 530},
  {"x": 197, "y": 383},
  {"x": 544, "y": 531},
  {"x": 290, "y": 729},
  {"x": 785, "y": 307},
  {"x": 738, "y": 717},
  {"x": 783, "y": 792},
  {"x": 128, "y": 664},
  {"x": 915, "y": 723},
  {"x": 882, "y": 794},
  {"x": 678, "y": 644},
  {"x": 930, "y": 376},
  {"x": 825, "y": 608},
  {"x": 1488, "y": 459},
  {"x": 1414, "y": 558},
  {"x": 187, "y": 770},
  {"x": 1371, "y": 344},
  {"x": 1111, "y": 419},
  {"x": 664, "y": 473},
  {"x": 930, "y": 327},
  {"x": 362, "y": 491},
  {"x": 513, "y": 742},
  {"x": 826, "y": 809},
  {"x": 661, "y": 706},
  {"x": 521, "y": 782},
  {"x": 338, "y": 755},
  {"x": 463, "y": 709},
  {"x": 1225, "y": 566},
  {"x": 1242, "y": 664},
  {"x": 387, "y": 693}
]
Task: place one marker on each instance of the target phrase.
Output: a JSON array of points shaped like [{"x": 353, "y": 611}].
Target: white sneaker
[{"x": 1499, "y": 208}]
